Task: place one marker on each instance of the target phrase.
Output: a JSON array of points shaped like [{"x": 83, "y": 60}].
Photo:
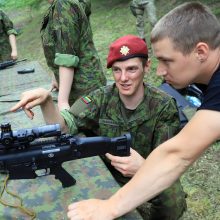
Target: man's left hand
[{"x": 128, "y": 166}]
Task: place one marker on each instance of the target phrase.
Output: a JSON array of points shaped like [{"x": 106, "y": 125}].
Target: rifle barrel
[{"x": 18, "y": 61}]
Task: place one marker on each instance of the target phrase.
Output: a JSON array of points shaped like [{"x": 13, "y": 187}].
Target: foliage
[{"x": 20, "y": 3}]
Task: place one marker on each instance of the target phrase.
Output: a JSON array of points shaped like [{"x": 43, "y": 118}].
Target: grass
[{"x": 111, "y": 19}]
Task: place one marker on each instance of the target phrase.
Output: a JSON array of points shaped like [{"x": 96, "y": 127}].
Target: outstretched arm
[
  {"x": 41, "y": 97},
  {"x": 160, "y": 170}
]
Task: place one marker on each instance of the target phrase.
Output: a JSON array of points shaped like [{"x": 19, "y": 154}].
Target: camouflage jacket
[
  {"x": 86, "y": 4},
  {"x": 68, "y": 41},
  {"x": 151, "y": 123},
  {"x": 6, "y": 28}
]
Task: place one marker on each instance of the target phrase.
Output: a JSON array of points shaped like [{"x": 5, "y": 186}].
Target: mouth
[
  {"x": 168, "y": 81},
  {"x": 125, "y": 86}
]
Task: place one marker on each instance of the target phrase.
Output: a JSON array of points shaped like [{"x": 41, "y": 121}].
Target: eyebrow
[
  {"x": 132, "y": 65},
  {"x": 164, "y": 58}
]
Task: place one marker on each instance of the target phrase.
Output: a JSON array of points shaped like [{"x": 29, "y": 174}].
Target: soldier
[
  {"x": 86, "y": 4},
  {"x": 139, "y": 8},
  {"x": 8, "y": 48},
  {"x": 129, "y": 105},
  {"x": 186, "y": 42},
  {"x": 69, "y": 50}
]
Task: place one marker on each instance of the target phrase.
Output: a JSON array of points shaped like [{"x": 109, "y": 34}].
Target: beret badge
[{"x": 124, "y": 50}]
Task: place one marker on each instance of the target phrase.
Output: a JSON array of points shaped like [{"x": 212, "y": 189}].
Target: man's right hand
[{"x": 30, "y": 99}]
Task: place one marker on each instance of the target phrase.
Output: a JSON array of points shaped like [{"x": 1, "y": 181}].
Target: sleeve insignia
[{"x": 86, "y": 99}]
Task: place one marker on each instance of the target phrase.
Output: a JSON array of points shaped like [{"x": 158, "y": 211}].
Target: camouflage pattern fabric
[
  {"x": 86, "y": 4},
  {"x": 139, "y": 8},
  {"x": 49, "y": 200},
  {"x": 45, "y": 195},
  {"x": 66, "y": 30},
  {"x": 151, "y": 123},
  {"x": 6, "y": 28}
]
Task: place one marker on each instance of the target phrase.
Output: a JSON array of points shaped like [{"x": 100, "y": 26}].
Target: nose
[{"x": 124, "y": 76}]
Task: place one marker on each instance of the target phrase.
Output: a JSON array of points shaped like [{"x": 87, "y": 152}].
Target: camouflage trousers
[
  {"x": 140, "y": 12},
  {"x": 169, "y": 205}
]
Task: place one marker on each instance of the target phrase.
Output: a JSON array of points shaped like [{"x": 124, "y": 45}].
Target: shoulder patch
[{"x": 80, "y": 105}]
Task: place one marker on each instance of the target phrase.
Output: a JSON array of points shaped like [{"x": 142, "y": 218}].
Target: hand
[
  {"x": 92, "y": 209},
  {"x": 31, "y": 99},
  {"x": 127, "y": 166},
  {"x": 54, "y": 84},
  {"x": 14, "y": 55}
]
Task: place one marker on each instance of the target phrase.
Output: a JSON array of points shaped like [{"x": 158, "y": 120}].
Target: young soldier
[
  {"x": 186, "y": 43},
  {"x": 70, "y": 51},
  {"x": 128, "y": 105},
  {"x": 8, "y": 34}
]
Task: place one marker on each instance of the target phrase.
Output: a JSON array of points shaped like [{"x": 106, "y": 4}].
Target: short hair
[
  {"x": 187, "y": 25},
  {"x": 143, "y": 61}
]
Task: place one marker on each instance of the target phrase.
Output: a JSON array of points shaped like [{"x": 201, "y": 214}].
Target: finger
[
  {"x": 18, "y": 105},
  {"x": 33, "y": 103},
  {"x": 29, "y": 113},
  {"x": 112, "y": 157},
  {"x": 117, "y": 159},
  {"x": 71, "y": 214},
  {"x": 122, "y": 171},
  {"x": 53, "y": 88}
]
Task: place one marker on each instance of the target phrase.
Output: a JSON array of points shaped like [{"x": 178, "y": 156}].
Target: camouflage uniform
[
  {"x": 86, "y": 4},
  {"x": 139, "y": 8},
  {"x": 67, "y": 41},
  {"x": 6, "y": 28},
  {"x": 151, "y": 123}
]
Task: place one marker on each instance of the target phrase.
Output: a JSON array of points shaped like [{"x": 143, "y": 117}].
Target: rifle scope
[{"x": 22, "y": 137}]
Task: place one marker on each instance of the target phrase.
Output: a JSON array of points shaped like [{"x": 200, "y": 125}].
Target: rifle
[
  {"x": 8, "y": 63},
  {"x": 25, "y": 152}
]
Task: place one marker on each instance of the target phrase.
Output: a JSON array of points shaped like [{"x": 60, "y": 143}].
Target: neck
[{"x": 132, "y": 102}]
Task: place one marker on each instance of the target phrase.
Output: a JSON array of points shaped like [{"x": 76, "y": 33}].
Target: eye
[
  {"x": 116, "y": 70},
  {"x": 132, "y": 69},
  {"x": 165, "y": 61}
]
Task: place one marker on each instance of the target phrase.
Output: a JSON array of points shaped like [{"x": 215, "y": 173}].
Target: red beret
[{"x": 126, "y": 47}]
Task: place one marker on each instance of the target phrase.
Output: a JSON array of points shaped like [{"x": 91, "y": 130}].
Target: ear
[{"x": 202, "y": 51}]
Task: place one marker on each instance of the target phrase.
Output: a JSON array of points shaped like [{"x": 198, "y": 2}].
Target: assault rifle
[
  {"x": 8, "y": 63},
  {"x": 25, "y": 152}
]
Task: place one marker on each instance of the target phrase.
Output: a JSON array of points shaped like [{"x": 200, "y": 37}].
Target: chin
[
  {"x": 125, "y": 93},
  {"x": 177, "y": 86}
]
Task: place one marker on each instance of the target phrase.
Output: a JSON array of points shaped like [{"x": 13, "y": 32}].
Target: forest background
[{"x": 111, "y": 19}]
